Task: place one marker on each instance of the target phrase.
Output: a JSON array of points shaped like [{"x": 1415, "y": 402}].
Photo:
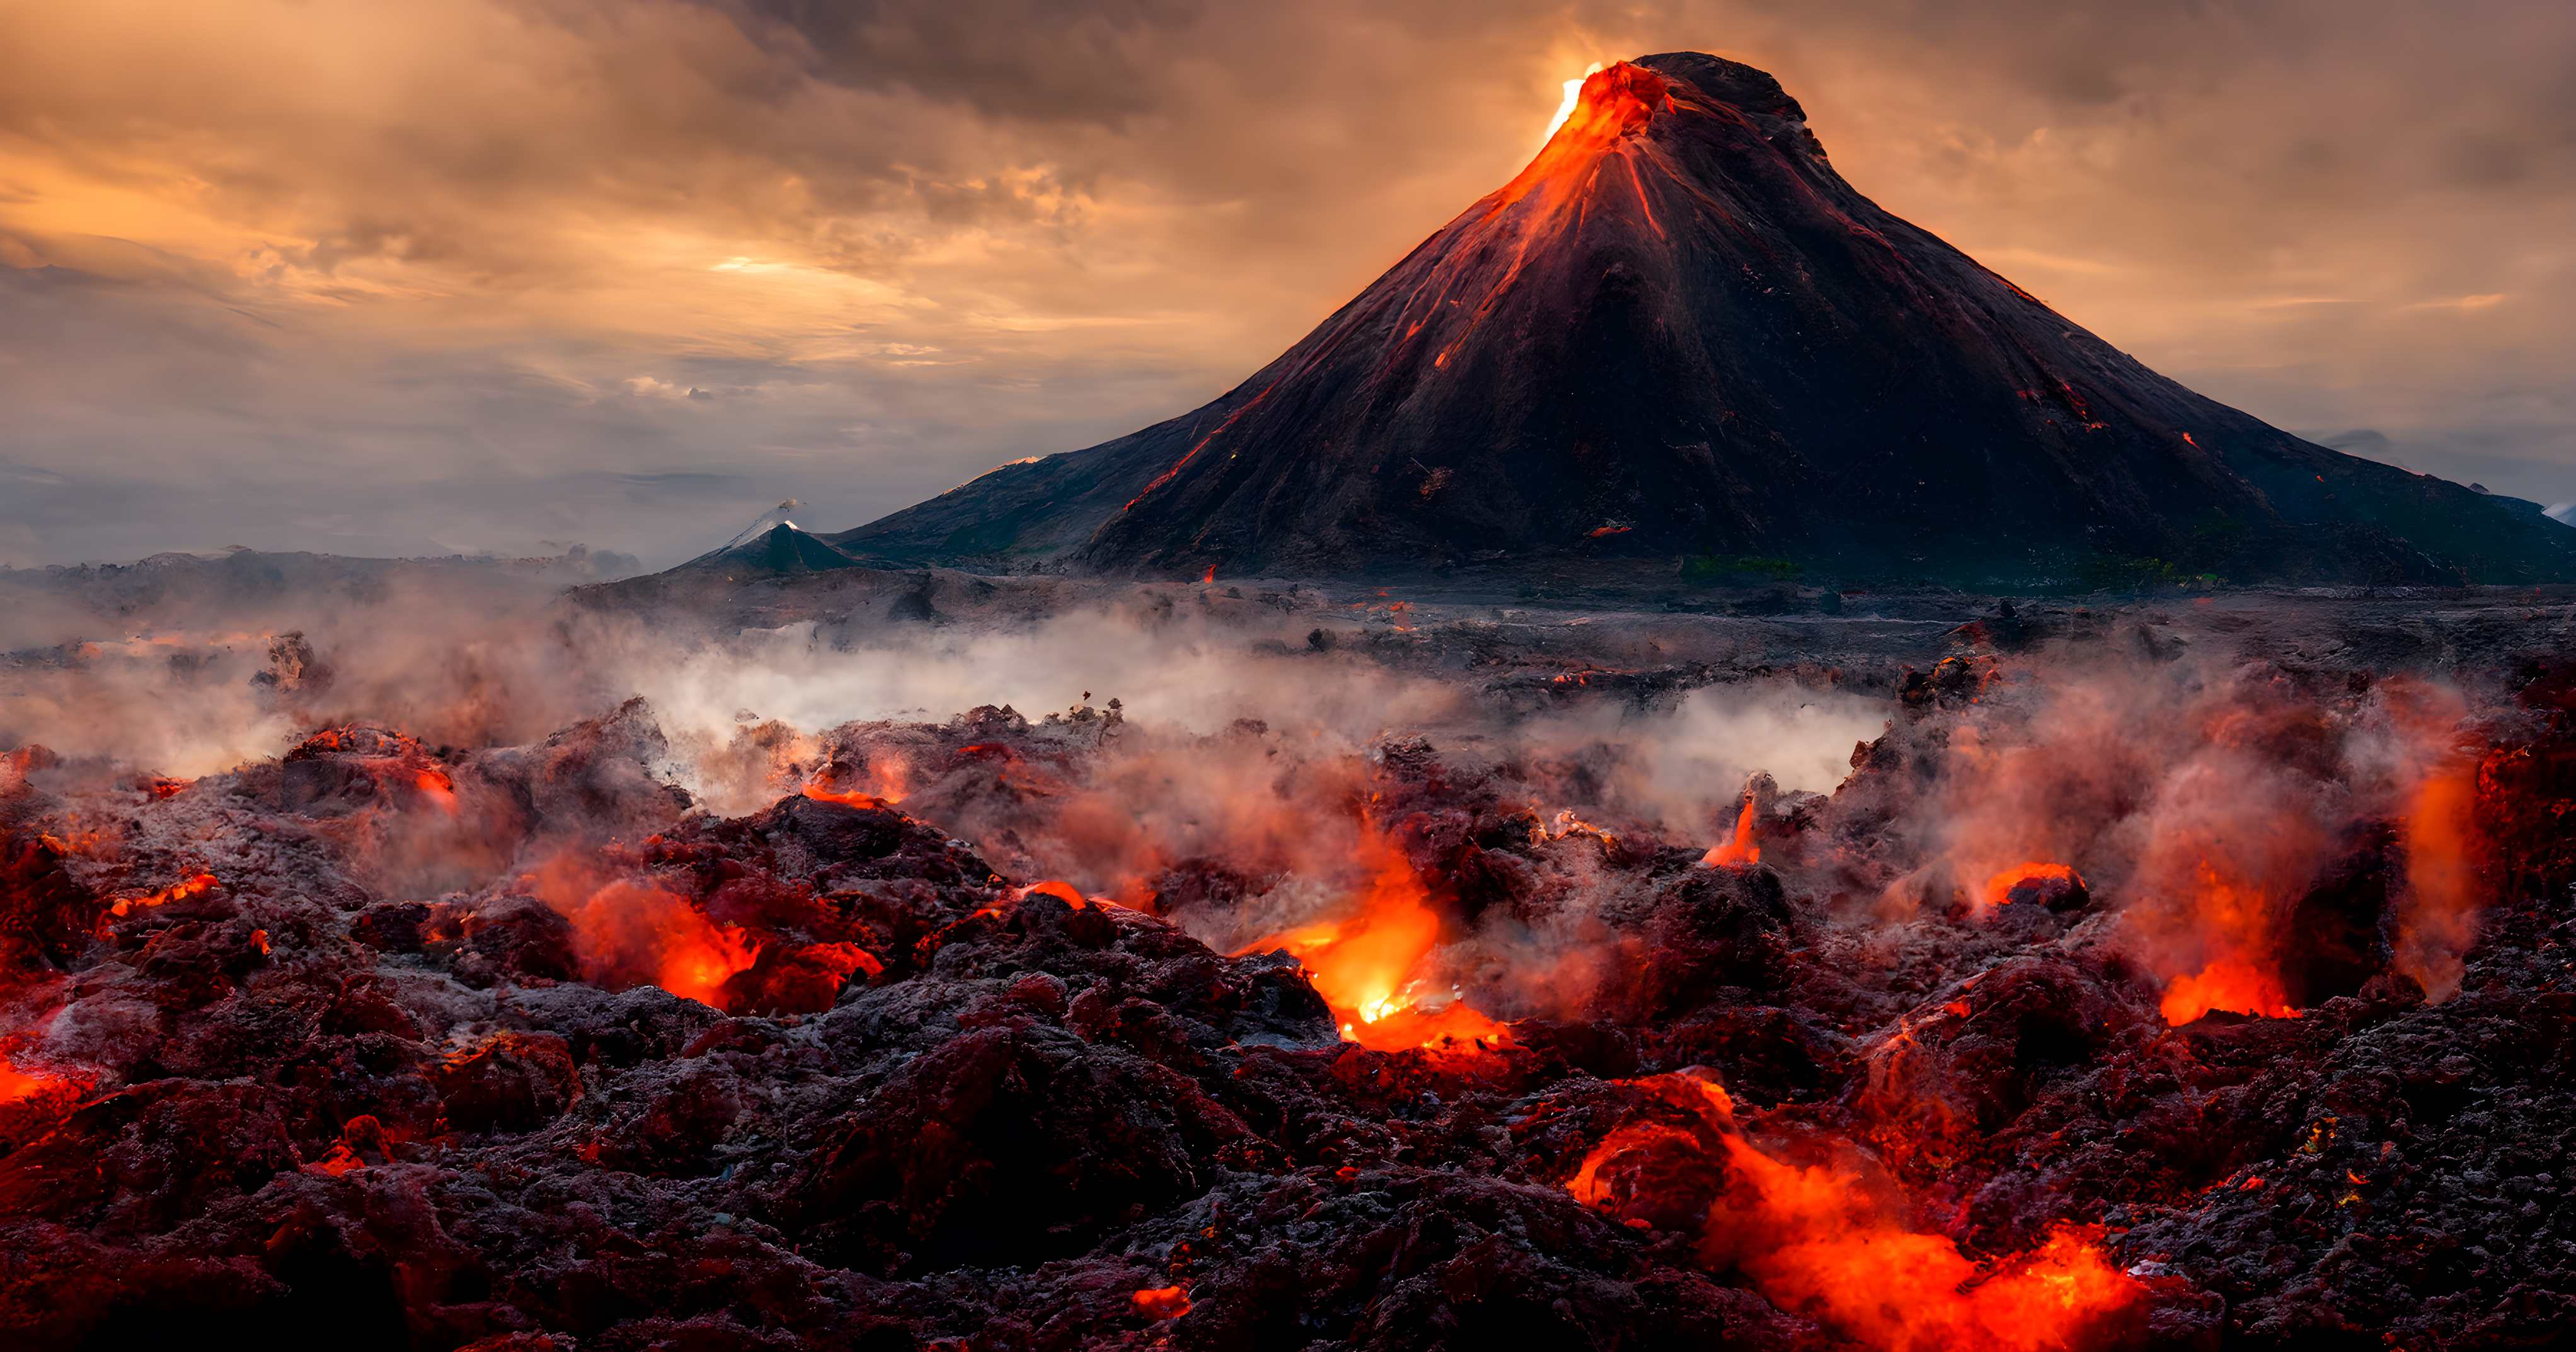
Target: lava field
[{"x": 2128, "y": 989}]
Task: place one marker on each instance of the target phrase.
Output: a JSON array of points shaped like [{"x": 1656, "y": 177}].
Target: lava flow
[
  {"x": 629, "y": 932},
  {"x": 884, "y": 784},
  {"x": 1608, "y": 107},
  {"x": 17, "y": 1085},
  {"x": 1369, "y": 963},
  {"x": 1820, "y": 1239},
  {"x": 2033, "y": 879},
  {"x": 2234, "y": 920},
  {"x": 2228, "y": 985},
  {"x": 1738, "y": 848}
]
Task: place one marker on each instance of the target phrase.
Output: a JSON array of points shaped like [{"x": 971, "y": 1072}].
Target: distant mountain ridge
[{"x": 1680, "y": 335}]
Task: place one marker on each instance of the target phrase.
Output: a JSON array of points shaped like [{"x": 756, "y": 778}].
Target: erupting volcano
[{"x": 1680, "y": 334}]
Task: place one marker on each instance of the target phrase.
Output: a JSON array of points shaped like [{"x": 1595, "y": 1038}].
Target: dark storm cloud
[{"x": 315, "y": 275}]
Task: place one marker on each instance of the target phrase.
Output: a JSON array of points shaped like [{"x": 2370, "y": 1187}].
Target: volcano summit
[{"x": 1679, "y": 332}]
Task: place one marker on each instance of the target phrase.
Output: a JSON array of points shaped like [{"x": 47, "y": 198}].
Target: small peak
[
  {"x": 1730, "y": 82},
  {"x": 762, "y": 525},
  {"x": 1714, "y": 81}
]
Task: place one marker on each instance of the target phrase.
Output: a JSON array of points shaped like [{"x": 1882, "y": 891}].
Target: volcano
[
  {"x": 781, "y": 549},
  {"x": 1680, "y": 334},
  {"x": 771, "y": 546}
]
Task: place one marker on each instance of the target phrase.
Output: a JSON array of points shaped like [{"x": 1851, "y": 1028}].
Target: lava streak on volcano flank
[{"x": 1611, "y": 106}]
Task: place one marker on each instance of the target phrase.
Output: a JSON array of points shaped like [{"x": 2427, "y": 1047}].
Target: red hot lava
[
  {"x": 2236, "y": 921},
  {"x": 18, "y": 1085},
  {"x": 1738, "y": 849},
  {"x": 883, "y": 783},
  {"x": 1613, "y": 105},
  {"x": 2034, "y": 879},
  {"x": 1822, "y": 1240},
  {"x": 1162, "y": 1302},
  {"x": 1371, "y": 962},
  {"x": 629, "y": 932}
]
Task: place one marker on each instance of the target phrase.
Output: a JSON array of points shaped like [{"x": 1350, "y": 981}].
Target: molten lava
[
  {"x": 1819, "y": 1240},
  {"x": 886, "y": 781},
  {"x": 436, "y": 788},
  {"x": 845, "y": 797},
  {"x": 1060, "y": 890},
  {"x": 17, "y": 1086},
  {"x": 1162, "y": 1302},
  {"x": 1609, "y": 106},
  {"x": 630, "y": 933},
  {"x": 1737, "y": 850},
  {"x": 2241, "y": 976},
  {"x": 1825, "y": 1250},
  {"x": 2230, "y": 985},
  {"x": 1367, "y": 965},
  {"x": 1999, "y": 888},
  {"x": 193, "y": 886}
]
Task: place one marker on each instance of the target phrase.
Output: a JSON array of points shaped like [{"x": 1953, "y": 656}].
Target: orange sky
[{"x": 489, "y": 273}]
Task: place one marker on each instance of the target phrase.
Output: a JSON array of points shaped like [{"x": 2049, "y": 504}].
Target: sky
[{"x": 505, "y": 275}]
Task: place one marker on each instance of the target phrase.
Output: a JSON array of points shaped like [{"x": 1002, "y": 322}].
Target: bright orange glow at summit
[{"x": 1573, "y": 95}]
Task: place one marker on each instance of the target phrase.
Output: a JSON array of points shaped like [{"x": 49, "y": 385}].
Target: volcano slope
[
  {"x": 1680, "y": 334},
  {"x": 2149, "y": 981}
]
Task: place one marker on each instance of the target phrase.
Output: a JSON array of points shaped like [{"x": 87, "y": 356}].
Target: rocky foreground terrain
[{"x": 2169, "y": 974}]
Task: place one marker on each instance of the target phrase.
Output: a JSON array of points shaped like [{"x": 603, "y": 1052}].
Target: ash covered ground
[{"x": 918, "y": 960}]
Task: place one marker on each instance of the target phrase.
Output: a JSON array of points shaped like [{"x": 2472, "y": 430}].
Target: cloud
[{"x": 2464, "y": 304}]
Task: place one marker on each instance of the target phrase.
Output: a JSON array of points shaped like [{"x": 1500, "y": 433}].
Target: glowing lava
[
  {"x": 1820, "y": 1241},
  {"x": 1608, "y": 106},
  {"x": 1999, "y": 888},
  {"x": 846, "y": 798},
  {"x": 17, "y": 1086},
  {"x": 195, "y": 885},
  {"x": 1366, "y": 965},
  {"x": 2240, "y": 976},
  {"x": 630, "y": 933},
  {"x": 2229, "y": 985},
  {"x": 888, "y": 781},
  {"x": 437, "y": 788},
  {"x": 1162, "y": 1302},
  {"x": 1815, "y": 1241},
  {"x": 1737, "y": 850}
]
